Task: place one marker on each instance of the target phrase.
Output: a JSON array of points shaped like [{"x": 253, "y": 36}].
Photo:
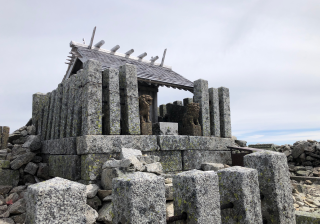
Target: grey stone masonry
[
  {"x": 225, "y": 116},
  {"x": 64, "y": 146},
  {"x": 4, "y": 137},
  {"x": 71, "y": 97},
  {"x": 201, "y": 96},
  {"x": 41, "y": 113},
  {"x": 77, "y": 113},
  {"x": 36, "y": 100},
  {"x": 178, "y": 102},
  {"x": 197, "y": 193},
  {"x": 64, "y": 108},
  {"x": 55, "y": 131},
  {"x": 214, "y": 112},
  {"x": 92, "y": 98},
  {"x": 139, "y": 198},
  {"x": 96, "y": 144},
  {"x": 56, "y": 201},
  {"x": 50, "y": 116},
  {"x": 163, "y": 110},
  {"x": 274, "y": 184},
  {"x": 65, "y": 166},
  {"x": 111, "y": 101},
  {"x": 186, "y": 101},
  {"x": 240, "y": 186},
  {"x": 46, "y": 109},
  {"x": 129, "y": 97},
  {"x": 165, "y": 128}
]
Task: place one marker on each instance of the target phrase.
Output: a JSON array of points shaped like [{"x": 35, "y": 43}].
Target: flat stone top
[
  {"x": 139, "y": 177},
  {"x": 238, "y": 169},
  {"x": 195, "y": 173},
  {"x": 308, "y": 215},
  {"x": 266, "y": 153},
  {"x": 56, "y": 183}
]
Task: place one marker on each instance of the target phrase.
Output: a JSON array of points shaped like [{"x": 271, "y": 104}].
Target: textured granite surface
[
  {"x": 71, "y": 97},
  {"x": 170, "y": 160},
  {"x": 214, "y": 112},
  {"x": 225, "y": 116},
  {"x": 9, "y": 177},
  {"x": 240, "y": 186},
  {"x": 139, "y": 198},
  {"x": 57, "y": 113},
  {"x": 46, "y": 110},
  {"x": 111, "y": 102},
  {"x": 77, "y": 111},
  {"x": 197, "y": 193},
  {"x": 201, "y": 96},
  {"x": 50, "y": 115},
  {"x": 307, "y": 217},
  {"x": 65, "y": 166},
  {"x": 56, "y": 201},
  {"x": 274, "y": 184},
  {"x": 36, "y": 98},
  {"x": 64, "y": 107},
  {"x": 64, "y": 146}
]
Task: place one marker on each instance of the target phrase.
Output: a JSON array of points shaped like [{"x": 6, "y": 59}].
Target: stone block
[
  {"x": 170, "y": 160},
  {"x": 153, "y": 168},
  {"x": 240, "y": 186},
  {"x": 91, "y": 165},
  {"x": 274, "y": 184},
  {"x": 64, "y": 146},
  {"x": 225, "y": 114},
  {"x": 214, "y": 112},
  {"x": 46, "y": 109},
  {"x": 93, "y": 144},
  {"x": 163, "y": 110},
  {"x": 197, "y": 193},
  {"x": 55, "y": 131},
  {"x": 173, "y": 142},
  {"x": 33, "y": 143},
  {"x": 31, "y": 168},
  {"x": 21, "y": 160},
  {"x": 64, "y": 107},
  {"x": 201, "y": 96},
  {"x": 105, "y": 213},
  {"x": 36, "y": 101},
  {"x": 138, "y": 192},
  {"x": 43, "y": 171},
  {"x": 50, "y": 115},
  {"x": 9, "y": 177},
  {"x": 241, "y": 143},
  {"x": 65, "y": 166},
  {"x": 111, "y": 100},
  {"x": 92, "y": 98},
  {"x": 165, "y": 128},
  {"x": 148, "y": 159},
  {"x": 130, "y": 109},
  {"x": 4, "y": 137},
  {"x": 212, "y": 166},
  {"x": 146, "y": 128},
  {"x": 107, "y": 176},
  {"x": 192, "y": 159},
  {"x": 127, "y": 153},
  {"x": 56, "y": 201},
  {"x": 307, "y": 217},
  {"x": 78, "y": 98},
  {"x": 71, "y": 98}
]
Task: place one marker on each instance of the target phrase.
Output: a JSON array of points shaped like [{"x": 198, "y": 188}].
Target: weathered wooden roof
[{"x": 146, "y": 71}]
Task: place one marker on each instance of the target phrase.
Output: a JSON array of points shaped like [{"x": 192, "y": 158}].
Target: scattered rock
[
  {"x": 127, "y": 153},
  {"x": 105, "y": 213},
  {"x": 91, "y": 190},
  {"x": 33, "y": 143},
  {"x": 21, "y": 160},
  {"x": 94, "y": 202},
  {"x": 91, "y": 215},
  {"x": 153, "y": 168}
]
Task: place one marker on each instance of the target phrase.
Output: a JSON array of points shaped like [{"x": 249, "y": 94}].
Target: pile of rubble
[
  {"x": 303, "y": 157},
  {"x": 20, "y": 165}
]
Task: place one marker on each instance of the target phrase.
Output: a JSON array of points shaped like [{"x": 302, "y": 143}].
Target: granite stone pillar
[
  {"x": 4, "y": 136},
  {"x": 77, "y": 113},
  {"x": 201, "y": 96},
  {"x": 46, "y": 111},
  {"x": 225, "y": 117},
  {"x": 163, "y": 110},
  {"x": 275, "y": 186},
  {"x": 64, "y": 108},
  {"x": 214, "y": 112},
  {"x": 42, "y": 99},
  {"x": 92, "y": 98},
  {"x": 111, "y": 102},
  {"x": 36, "y": 98},
  {"x": 129, "y": 100},
  {"x": 71, "y": 97},
  {"x": 139, "y": 198},
  {"x": 197, "y": 193},
  {"x": 55, "y": 131},
  {"x": 240, "y": 186},
  {"x": 50, "y": 116}
]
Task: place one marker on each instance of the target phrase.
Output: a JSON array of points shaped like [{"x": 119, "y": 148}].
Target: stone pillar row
[{"x": 77, "y": 106}]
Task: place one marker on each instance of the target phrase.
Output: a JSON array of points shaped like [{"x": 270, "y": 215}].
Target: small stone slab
[
  {"x": 307, "y": 217},
  {"x": 197, "y": 193},
  {"x": 212, "y": 166},
  {"x": 9, "y": 177},
  {"x": 165, "y": 128},
  {"x": 138, "y": 192},
  {"x": 21, "y": 160},
  {"x": 275, "y": 185},
  {"x": 44, "y": 199},
  {"x": 240, "y": 186},
  {"x": 93, "y": 144},
  {"x": 33, "y": 143},
  {"x": 65, "y": 166}
]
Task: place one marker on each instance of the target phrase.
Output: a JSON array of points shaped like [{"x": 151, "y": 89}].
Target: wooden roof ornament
[{"x": 148, "y": 71}]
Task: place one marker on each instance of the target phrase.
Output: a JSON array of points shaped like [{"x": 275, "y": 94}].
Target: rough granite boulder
[
  {"x": 127, "y": 153},
  {"x": 45, "y": 201},
  {"x": 33, "y": 143}
]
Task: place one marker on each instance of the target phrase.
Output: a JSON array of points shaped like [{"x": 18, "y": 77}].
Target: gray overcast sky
[{"x": 266, "y": 52}]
